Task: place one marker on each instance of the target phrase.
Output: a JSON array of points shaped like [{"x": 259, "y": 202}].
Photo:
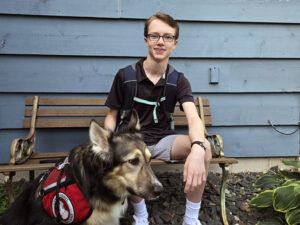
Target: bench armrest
[
  {"x": 22, "y": 149},
  {"x": 216, "y": 143}
]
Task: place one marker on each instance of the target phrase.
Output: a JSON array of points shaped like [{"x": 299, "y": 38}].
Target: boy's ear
[
  {"x": 134, "y": 123},
  {"x": 175, "y": 44},
  {"x": 98, "y": 137}
]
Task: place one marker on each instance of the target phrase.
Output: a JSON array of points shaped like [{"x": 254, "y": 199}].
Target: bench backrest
[{"x": 78, "y": 112}]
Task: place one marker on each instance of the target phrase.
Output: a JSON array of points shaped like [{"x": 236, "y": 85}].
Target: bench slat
[
  {"x": 85, "y": 112},
  {"x": 182, "y": 121},
  {"x": 61, "y": 123},
  {"x": 56, "y": 112},
  {"x": 26, "y": 167},
  {"x": 213, "y": 161},
  {"x": 153, "y": 161},
  {"x": 70, "y": 123},
  {"x": 68, "y": 101},
  {"x": 46, "y": 166},
  {"x": 81, "y": 102},
  {"x": 49, "y": 155},
  {"x": 178, "y": 112}
]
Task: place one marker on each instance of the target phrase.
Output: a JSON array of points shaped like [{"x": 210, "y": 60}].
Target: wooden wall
[{"x": 75, "y": 47}]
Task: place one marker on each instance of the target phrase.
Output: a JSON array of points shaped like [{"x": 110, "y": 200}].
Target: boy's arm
[
  {"x": 110, "y": 121},
  {"x": 195, "y": 125},
  {"x": 194, "y": 167}
]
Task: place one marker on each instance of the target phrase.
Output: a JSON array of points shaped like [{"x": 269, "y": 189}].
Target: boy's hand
[{"x": 194, "y": 173}]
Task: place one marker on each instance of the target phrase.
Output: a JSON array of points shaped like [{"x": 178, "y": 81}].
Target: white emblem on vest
[{"x": 66, "y": 209}]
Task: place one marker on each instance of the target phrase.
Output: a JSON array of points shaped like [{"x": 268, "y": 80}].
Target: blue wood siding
[
  {"x": 61, "y": 74},
  {"x": 74, "y": 48},
  {"x": 273, "y": 11},
  {"x": 124, "y": 38}
]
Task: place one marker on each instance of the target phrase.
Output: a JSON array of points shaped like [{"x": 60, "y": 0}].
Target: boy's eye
[
  {"x": 154, "y": 36},
  {"x": 134, "y": 161},
  {"x": 168, "y": 38}
]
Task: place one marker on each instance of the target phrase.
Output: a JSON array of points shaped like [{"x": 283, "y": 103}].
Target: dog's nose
[{"x": 158, "y": 189}]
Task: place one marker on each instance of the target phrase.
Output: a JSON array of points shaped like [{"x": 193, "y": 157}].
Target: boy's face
[{"x": 160, "y": 50}]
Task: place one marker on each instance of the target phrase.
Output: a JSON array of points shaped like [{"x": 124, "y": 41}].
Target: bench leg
[
  {"x": 9, "y": 186},
  {"x": 225, "y": 172},
  {"x": 31, "y": 175}
]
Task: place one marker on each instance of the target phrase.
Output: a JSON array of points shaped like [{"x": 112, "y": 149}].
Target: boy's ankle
[
  {"x": 140, "y": 220},
  {"x": 190, "y": 221}
]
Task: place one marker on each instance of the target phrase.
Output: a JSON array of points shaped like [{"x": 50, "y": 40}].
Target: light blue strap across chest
[{"x": 155, "y": 104}]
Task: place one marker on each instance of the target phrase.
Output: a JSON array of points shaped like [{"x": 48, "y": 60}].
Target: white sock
[
  {"x": 191, "y": 212},
  {"x": 140, "y": 209}
]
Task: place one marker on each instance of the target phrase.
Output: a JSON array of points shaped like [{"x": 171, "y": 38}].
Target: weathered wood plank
[
  {"x": 68, "y": 8},
  {"x": 73, "y": 123},
  {"x": 258, "y": 141},
  {"x": 178, "y": 112},
  {"x": 182, "y": 121},
  {"x": 68, "y": 101},
  {"x": 198, "y": 10},
  {"x": 67, "y": 112},
  {"x": 82, "y": 102},
  {"x": 25, "y": 167},
  {"x": 228, "y": 109},
  {"x": 50, "y": 155},
  {"x": 62, "y": 123},
  {"x": 62, "y": 36},
  {"x": 213, "y": 161},
  {"x": 218, "y": 10},
  {"x": 78, "y": 112},
  {"x": 94, "y": 75},
  {"x": 45, "y": 166},
  {"x": 249, "y": 109}
]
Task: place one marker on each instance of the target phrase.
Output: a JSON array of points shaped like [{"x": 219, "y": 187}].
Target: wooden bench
[{"x": 41, "y": 113}]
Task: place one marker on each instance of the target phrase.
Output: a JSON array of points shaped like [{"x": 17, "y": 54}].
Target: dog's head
[{"x": 129, "y": 159}]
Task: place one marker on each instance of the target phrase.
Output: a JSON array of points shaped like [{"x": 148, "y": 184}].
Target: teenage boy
[{"x": 161, "y": 38}]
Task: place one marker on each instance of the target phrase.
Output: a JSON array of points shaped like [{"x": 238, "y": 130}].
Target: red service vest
[{"x": 73, "y": 206}]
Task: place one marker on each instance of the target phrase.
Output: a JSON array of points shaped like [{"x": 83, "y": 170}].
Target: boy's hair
[{"x": 165, "y": 18}]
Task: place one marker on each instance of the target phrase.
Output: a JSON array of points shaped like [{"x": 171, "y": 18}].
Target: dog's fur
[{"x": 107, "y": 170}]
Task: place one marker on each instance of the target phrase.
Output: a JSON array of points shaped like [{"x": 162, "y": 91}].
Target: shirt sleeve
[
  {"x": 115, "y": 97},
  {"x": 184, "y": 90}
]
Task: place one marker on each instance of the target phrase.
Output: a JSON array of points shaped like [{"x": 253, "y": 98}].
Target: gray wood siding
[{"x": 75, "y": 47}]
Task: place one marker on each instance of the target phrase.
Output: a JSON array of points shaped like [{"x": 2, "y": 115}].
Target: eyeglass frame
[{"x": 161, "y": 36}]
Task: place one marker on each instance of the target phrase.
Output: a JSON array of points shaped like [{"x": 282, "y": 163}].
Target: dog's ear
[
  {"x": 99, "y": 137},
  {"x": 134, "y": 123}
]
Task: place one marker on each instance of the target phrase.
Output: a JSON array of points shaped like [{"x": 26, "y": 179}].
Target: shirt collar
[{"x": 141, "y": 75}]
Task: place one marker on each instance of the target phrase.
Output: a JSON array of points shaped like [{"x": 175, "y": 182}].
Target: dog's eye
[{"x": 134, "y": 161}]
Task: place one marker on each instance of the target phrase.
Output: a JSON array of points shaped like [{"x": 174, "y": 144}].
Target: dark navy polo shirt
[{"x": 146, "y": 90}]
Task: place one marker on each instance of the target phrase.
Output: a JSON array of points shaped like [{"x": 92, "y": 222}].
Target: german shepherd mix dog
[{"x": 92, "y": 184}]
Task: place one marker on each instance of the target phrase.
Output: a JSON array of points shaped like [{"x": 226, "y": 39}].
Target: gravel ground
[{"x": 170, "y": 207}]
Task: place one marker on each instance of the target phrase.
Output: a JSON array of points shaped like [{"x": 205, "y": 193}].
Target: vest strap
[
  {"x": 122, "y": 116},
  {"x": 172, "y": 121},
  {"x": 155, "y": 104},
  {"x": 130, "y": 91}
]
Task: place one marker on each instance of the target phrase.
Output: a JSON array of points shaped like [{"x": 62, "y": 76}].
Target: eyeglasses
[{"x": 156, "y": 37}]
